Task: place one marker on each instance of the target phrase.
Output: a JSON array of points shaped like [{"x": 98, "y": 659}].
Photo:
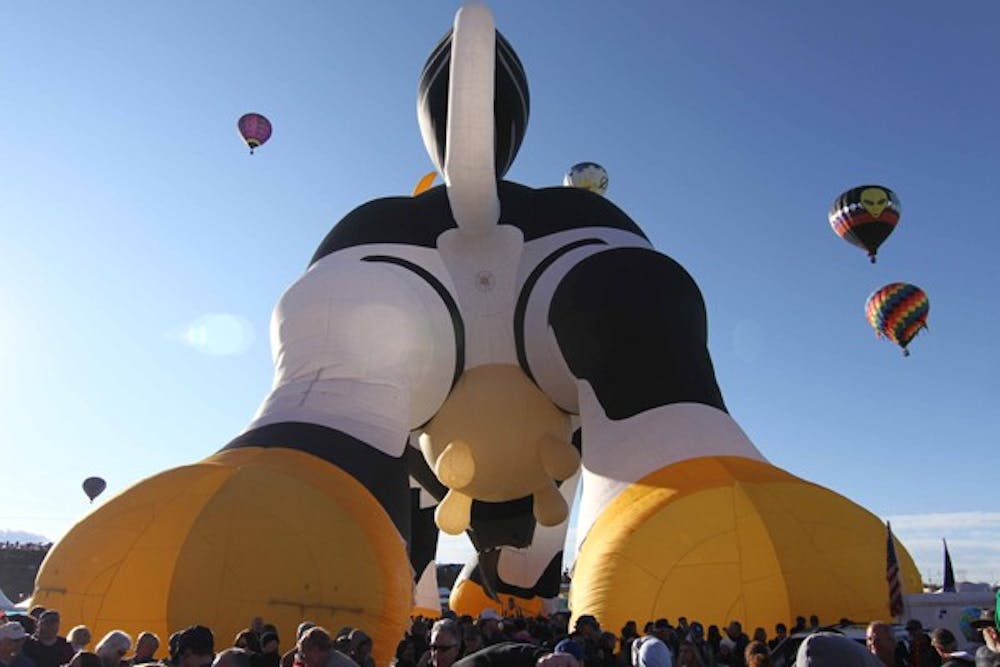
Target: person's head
[
  {"x": 662, "y": 629},
  {"x": 814, "y": 621},
  {"x": 880, "y": 642},
  {"x": 79, "y": 636},
  {"x": 446, "y": 645},
  {"x": 472, "y": 638},
  {"x": 247, "y": 640},
  {"x": 588, "y": 627},
  {"x": 12, "y": 636},
  {"x": 713, "y": 634},
  {"x": 696, "y": 631},
  {"x": 36, "y": 611},
  {"x": 48, "y": 625},
  {"x": 489, "y": 622},
  {"x": 314, "y": 646},
  {"x": 800, "y": 621},
  {"x": 232, "y": 657},
  {"x": 146, "y": 646},
  {"x": 944, "y": 641},
  {"x": 113, "y": 647},
  {"x": 360, "y": 646},
  {"x": 629, "y": 630},
  {"x": 649, "y": 651},
  {"x": 780, "y": 630},
  {"x": 914, "y": 627},
  {"x": 195, "y": 647},
  {"x": 687, "y": 655},
  {"x": 756, "y": 654},
  {"x": 759, "y": 635},
  {"x": 85, "y": 659},
  {"x": 568, "y": 652},
  {"x": 269, "y": 642},
  {"x": 828, "y": 649},
  {"x": 303, "y": 627},
  {"x": 734, "y": 629},
  {"x": 257, "y": 625}
]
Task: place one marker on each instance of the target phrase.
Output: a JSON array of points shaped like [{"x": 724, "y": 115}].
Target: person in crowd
[
  {"x": 800, "y": 625},
  {"x": 567, "y": 653},
  {"x": 759, "y": 635},
  {"x": 112, "y": 648},
  {"x": 813, "y": 622},
  {"x": 404, "y": 656},
  {"x": 757, "y": 654},
  {"x": 288, "y": 659},
  {"x": 663, "y": 631},
  {"x": 829, "y": 649},
  {"x": 696, "y": 637},
  {"x": 270, "y": 655},
  {"x": 472, "y": 638},
  {"x": 12, "y": 638},
  {"x": 84, "y": 659},
  {"x": 780, "y": 632},
  {"x": 445, "y": 645},
  {"x": 689, "y": 656},
  {"x": 232, "y": 657},
  {"x": 146, "y": 646},
  {"x": 195, "y": 647},
  {"x": 988, "y": 655},
  {"x": 79, "y": 638},
  {"x": 920, "y": 652},
  {"x": 489, "y": 624},
  {"x": 737, "y": 641},
  {"x": 248, "y": 640},
  {"x": 257, "y": 625},
  {"x": 46, "y": 648},
  {"x": 316, "y": 650},
  {"x": 944, "y": 642},
  {"x": 651, "y": 651},
  {"x": 881, "y": 644},
  {"x": 360, "y": 648}
]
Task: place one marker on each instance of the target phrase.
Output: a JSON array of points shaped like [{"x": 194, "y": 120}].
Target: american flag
[{"x": 892, "y": 576}]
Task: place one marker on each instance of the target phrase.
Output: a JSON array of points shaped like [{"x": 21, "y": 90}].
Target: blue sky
[{"x": 142, "y": 248}]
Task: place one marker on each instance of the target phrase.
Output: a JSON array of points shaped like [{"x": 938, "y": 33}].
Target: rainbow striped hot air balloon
[
  {"x": 255, "y": 129},
  {"x": 865, "y": 216},
  {"x": 898, "y": 312}
]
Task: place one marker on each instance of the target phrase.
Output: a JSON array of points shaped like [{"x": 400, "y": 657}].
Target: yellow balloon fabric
[
  {"x": 468, "y": 597},
  {"x": 727, "y": 538},
  {"x": 248, "y": 532}
]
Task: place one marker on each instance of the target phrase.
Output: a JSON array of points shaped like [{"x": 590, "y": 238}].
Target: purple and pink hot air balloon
[{"x": 255, "y": 129}]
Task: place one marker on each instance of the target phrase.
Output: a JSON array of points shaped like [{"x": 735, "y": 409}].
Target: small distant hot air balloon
[
  {"x": 587, "y": 175},
  {"x": 865, "y": 216},
  {"x": 898, "y": 312},
  {"x": 255, "y": 129},
  {"x": 93, "y": 487}
]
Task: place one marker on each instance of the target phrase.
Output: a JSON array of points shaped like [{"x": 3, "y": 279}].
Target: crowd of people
[{"x": 34, "y": 640}]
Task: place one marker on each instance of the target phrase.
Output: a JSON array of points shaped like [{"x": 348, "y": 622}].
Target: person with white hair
[
  {"x": 650, "y": 651},
  {"x": 112, "y": 648},
  {"x": 79, "y": 637}
]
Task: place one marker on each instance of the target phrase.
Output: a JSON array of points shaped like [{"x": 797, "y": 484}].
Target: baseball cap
[
  {"x": 12, "y": 630},
  {"x": 571, "y": 647}
]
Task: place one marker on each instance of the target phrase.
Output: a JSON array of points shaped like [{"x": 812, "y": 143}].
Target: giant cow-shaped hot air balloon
[{"x": 447, "y": 361}]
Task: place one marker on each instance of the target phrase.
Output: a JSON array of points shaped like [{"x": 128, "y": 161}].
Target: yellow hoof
[
  {"x": 249, "y": 532},
  {"x": 723, "y": 538}
]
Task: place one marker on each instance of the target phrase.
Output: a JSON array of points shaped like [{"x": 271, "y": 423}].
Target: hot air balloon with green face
[
  {"x": 865, "y": 216},
  {"x": 898, "y": 312}
]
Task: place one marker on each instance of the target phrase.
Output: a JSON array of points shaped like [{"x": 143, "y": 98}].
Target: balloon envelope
[
  {"x": 93, "y": 487},
  {"x": 255, "y": 129},
  {"x": 898, "y": 312},
  {"x": 865, "y": 216},
  {"x": 587, "y": 175}
]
